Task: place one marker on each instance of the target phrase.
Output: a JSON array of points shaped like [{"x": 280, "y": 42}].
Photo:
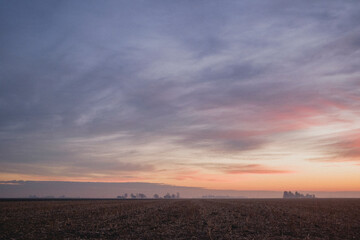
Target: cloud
[
  {"x": 196, "y": 176},
  {"x": 225, "y": 140},
  {"x": 245, "y": 169},
  {"x": 342, "y": 148},
  {"x": 108, "y": 88},
  {"x": 253, "y": 169},
  {"x": 78, "y": 169}
]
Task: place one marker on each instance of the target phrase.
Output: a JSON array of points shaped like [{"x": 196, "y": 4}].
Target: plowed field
[{"x": 181, "y": 219}]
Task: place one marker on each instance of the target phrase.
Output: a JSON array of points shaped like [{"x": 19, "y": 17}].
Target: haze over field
[
  {"x": 58, "y": 189},
  {"x": 242, "y": 95}
]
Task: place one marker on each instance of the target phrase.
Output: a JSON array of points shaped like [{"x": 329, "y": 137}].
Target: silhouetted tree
[
  {"x": 297, "y": 195},
  {"x": 122, "y": 196},
  {"x": 141, "y": 195}
]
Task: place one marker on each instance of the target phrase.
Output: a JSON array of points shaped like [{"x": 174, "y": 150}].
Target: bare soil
[{"x": 181, "y": 219}]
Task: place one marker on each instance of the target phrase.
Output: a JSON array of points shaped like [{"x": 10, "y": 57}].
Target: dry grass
[{"x": 181, "y": 219}]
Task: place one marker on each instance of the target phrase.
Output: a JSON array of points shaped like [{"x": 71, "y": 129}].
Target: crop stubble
[{"x": 181, "y": 219}]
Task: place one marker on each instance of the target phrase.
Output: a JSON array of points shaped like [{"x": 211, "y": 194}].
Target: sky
[{"x": 241, "y": 95}]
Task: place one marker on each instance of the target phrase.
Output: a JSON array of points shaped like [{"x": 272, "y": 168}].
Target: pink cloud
[
  {"x": 298, "y": 116},
  {"x": 244, "y": 168},
  {"x": 231, "y": 169},
  {"x": 234, "y": 123},
  {"x": 195, "y": 175},
  {"x": 343, "y": 148},
  {"x": 196, "y": 178},
  {"x": 251, "y": 169}
]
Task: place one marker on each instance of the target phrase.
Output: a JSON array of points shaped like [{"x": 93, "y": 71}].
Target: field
[{"x": 181, "y": 219}]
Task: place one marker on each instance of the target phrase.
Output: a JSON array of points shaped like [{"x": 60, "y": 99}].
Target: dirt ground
[{"x": 181, "y": 219}]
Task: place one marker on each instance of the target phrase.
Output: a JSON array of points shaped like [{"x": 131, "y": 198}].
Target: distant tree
[
  {"x": 142, "y": 196},
  {"x": 177, "y": 195},
  {"x": 133, "y": 196},
  {"x": 286, "y": 194},
  {"x": 122, "y": 196},
  {"x": 167, "y": 196},
  {"x": 297, "y": 195},
  {"x": 173, "y": 196},
  {"x": 310, "y": 196},
  {"x": 156, "y": 196}
]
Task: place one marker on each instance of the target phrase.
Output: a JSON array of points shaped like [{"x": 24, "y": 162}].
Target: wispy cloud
[
  {"x": 232, "y": 168},
  {"x": 131, "y": 88},
  {"x": 344, "y": 147},
  {"x": 253, "y": 169}
]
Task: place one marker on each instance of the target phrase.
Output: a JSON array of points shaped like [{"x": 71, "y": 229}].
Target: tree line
[
  {"x": 143, "y": 196},
  {"x": 297, "y": 195}
]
